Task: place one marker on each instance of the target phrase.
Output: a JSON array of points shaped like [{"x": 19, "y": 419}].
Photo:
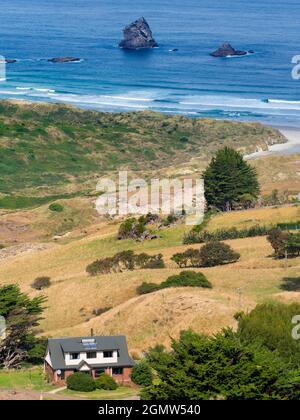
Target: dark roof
[{"x": 58, "y": 346}]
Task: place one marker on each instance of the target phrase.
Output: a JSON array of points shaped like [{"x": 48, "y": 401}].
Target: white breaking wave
[{"x": 163, "y": 101}]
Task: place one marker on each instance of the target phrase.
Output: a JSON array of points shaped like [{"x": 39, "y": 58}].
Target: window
[
  {"x": 107, "y": 354},
  {"x": 99, "y": 372},
  {"x": 91, "y": 355},
  {"x": 74, "y": 356},
  {"x": 117, "y": 371},
  {"x": 62, "y": 375}
]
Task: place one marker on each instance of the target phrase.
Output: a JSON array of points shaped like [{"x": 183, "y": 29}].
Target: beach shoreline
[{"x": 292, "y": 145}]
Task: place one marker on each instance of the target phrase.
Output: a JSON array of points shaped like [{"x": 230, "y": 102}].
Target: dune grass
[{"x": 44, "y": 145}]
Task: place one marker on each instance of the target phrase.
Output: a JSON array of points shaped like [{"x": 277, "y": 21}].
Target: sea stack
[
  {"x": 138, "y": 35},
  {"x": 226, "y": 50},
  {"x": 64, "y": 60}
]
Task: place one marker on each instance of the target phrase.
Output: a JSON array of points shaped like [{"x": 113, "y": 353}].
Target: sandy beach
[{"x": 290, "y": 147}]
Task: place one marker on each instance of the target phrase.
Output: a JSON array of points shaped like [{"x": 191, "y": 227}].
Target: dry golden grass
[
  {"x": 150, "y": 319},
  {"x": 278, "y": 172},
  {"x": 252, "y": 217}
]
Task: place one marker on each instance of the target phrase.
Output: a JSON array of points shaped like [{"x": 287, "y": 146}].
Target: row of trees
[
  {"x": 124, "y": 261},
  {"x": 198, "y": 237}
]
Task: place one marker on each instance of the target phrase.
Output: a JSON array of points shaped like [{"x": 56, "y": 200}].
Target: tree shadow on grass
[{"x": 291, "y": 284}]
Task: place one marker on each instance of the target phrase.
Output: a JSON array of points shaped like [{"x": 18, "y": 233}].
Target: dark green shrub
[
  {"x": 217, "y": 253},
  {"x": 106, "y": 382},
  {"x": 155, "y": 262},
  {"x": 103, "y": 266},
  {"x": 220, "y": 366},
  {"x": 292, "y": 245},
  {"x": 194, "y": 237},
  {"x": 125, "y": 259},
  {"x": 145, "y": 288},
  {"x": 132, "y": 228},
  {"x": 56, "y": 207},
  {"x": 284, "y": 243},
  {"x": 271, "y": 324},
  {"x": 142, "y": 374},
  {"x": 142, "y": 259},
  {"x": 186, "y": 279},
  {"x": 2, "y": 246},
  {"x": 188, "y": 258},
  {"x": 277, "y": 239},
  {"x": 41, "y": 283},
  {"x": 80, "y": 381},
  {"x": 291, "y": 284}
]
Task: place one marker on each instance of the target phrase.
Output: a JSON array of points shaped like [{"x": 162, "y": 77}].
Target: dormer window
[
  {"x": 107, "y": 354},
  {"x": 91, "y": 355}
]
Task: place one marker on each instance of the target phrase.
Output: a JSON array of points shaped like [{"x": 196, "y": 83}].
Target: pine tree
[{"x": 228, "y": 178}]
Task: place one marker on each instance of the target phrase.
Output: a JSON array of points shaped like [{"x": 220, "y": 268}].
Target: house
[{"x": 93, "y": 355}]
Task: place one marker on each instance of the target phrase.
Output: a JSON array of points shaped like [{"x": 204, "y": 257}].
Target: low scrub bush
[
  {"x": 155, "y": 262},
  {"x": 184, "y": 279},
  {"x": 291, "y": 284},
  {"x": 106, "y": 382},
  {"x": 187, "y": 279},
  {"x": 80, "y": 381},
  {"x": 56, "y": 207},
  {"x": 132, "y": 228},
  {"x": 145, "y": 288},
  {"x": 41, "y": 283}
]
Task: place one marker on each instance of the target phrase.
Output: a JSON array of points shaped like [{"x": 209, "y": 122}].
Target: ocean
[{"x": 256, "y": 87}]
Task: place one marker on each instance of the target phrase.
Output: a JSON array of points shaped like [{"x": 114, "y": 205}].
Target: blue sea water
[{"x": 256, "y": 87}]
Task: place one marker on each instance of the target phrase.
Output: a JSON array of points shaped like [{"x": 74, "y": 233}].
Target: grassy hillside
[
  {"x": 278, "y": 172},
  {"x": 146, "y": 320},
  {"x": 247, "y": 218},
  {"x": 64, "y": 149}
]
